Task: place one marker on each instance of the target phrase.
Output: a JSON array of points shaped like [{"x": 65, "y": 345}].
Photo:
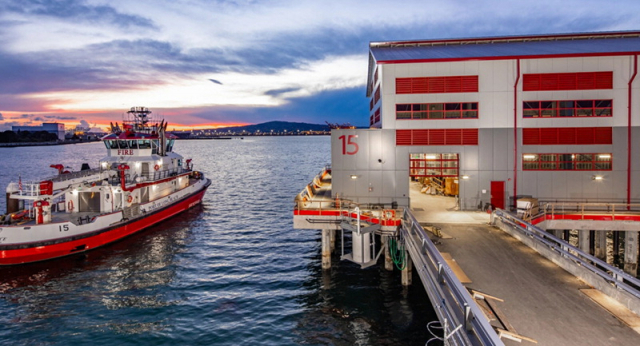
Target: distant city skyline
[{"x": 203, "y": 64}]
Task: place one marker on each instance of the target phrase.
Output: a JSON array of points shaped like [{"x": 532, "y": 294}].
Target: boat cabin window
[
  {"x": 170, "y": 145},
  {"x": 154, "y": 146},
  {"x": 123, "y": 144},
  {"x": 144, "y": 144},
  {"x": 133, "y": 144},
  {"x": 111, "y": 144}
]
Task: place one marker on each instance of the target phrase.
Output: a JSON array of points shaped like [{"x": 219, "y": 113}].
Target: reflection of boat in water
[{"x": 140, "y": 182}]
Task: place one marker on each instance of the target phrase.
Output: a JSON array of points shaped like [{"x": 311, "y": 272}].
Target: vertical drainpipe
[
  {"x": 635, "y": 72},
  {"x": 515, "y": 134}
]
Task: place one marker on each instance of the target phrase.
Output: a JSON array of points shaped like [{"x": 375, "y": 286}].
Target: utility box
[{"x": 451, "y": 186}]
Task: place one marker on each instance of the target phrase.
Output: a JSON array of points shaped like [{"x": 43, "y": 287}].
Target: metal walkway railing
[
  {"x": 464, "y": 323},
  {"x": 614, "y": 276}
]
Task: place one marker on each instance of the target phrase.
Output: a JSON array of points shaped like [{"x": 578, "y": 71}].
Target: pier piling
[
  {"x": 326, "y": 249},
  {"x": 388, "y": 262},
  {"x": 406, "y": 272},
  {"x": 631, "y": 253},
  {"x": 584, "y": 240},
  {"x": 332, "y": 237}
]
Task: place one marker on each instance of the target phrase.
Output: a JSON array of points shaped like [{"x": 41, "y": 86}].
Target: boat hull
[{"x": 46, "y": 252}]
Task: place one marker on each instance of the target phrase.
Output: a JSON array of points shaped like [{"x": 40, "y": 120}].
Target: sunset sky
[{"x": 198, "y": 62}]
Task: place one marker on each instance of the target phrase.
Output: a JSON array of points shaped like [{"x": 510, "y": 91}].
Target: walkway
[{"x": 541, "y": 300}]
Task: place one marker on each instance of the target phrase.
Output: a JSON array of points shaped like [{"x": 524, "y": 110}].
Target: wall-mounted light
[
  {"x": 430, "y": 157},
  {"x": 597, "y": 177},
  {"x": 465, "y": 177},
  {"x": 354, "y": 177},
  {"x": 529, "y": 156}
]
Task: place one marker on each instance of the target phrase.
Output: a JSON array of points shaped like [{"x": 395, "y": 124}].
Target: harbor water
[{"x": 230, "y": 272}]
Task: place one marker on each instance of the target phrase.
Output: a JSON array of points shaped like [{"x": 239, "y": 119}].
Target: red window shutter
[
  {"x": 469, "y": 84},
  {"x": 530, "y": 82},
  {"x": 420, "y": 137},
  {"x": 470, "y": 137},
  {"x": 585, "y": 135},
  {"x": 603, "y": 135},
  {"x": 604, "y": 80},
  {"x": 452, "y": 85},
  {"x": 566, "y": 136},
  {"x": 566, "y": 81},
  {"x": 403, "y": 137},
  {"x": 530, "y": 136},
  {"x": 436, "y": 85},
  {"x": 437, "y": 137},
  {"x": 419, "y": 86},
  {"x": 585, "y": 81},
  {"x": 453, "y": 137},
  {"x": 549, "y": 136},
  {"x": 403, "y": 85}
]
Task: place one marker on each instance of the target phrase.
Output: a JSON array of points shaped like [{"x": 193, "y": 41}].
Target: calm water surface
[{"x": 230, "y": 272}]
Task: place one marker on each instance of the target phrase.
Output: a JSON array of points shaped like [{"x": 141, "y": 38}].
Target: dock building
[
  {"x": 55, "y": 128},
  {"x": 556, "y": 117}
]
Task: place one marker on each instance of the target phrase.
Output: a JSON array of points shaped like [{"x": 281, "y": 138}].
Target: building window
[
  {"x": 434, "y": 165},
  {"x": 420, "y": 111},
  {"x": 558, "y": 109},
  {"x": 567, "y": 81},
  {"x": 566, "y": 162},
  {"x": 432, "y": 85},
  {"x": 567, "y": 135}
]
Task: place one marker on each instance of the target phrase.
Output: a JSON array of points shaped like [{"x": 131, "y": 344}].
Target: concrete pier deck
[{"x": 541, "y": 300}]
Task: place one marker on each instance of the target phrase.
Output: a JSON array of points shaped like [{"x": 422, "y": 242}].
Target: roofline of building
[
  {"x": 505, "y": 39},
  {"x": 509, "y": 57}
]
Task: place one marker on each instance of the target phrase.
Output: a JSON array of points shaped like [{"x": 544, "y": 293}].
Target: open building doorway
[{"x": 434, "y": 180}]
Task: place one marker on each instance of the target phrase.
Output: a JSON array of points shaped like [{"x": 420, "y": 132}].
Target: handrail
[
  {"x": 611, "y": 274},
  {"x": 451, "y": 300},
  {"x": 611, "y": 209}
]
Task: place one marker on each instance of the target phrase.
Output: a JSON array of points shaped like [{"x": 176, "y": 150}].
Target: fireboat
[{"x": 141, "y": 182}]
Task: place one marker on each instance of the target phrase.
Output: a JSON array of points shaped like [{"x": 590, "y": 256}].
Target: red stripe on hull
[{"x": 41, "y": 253}]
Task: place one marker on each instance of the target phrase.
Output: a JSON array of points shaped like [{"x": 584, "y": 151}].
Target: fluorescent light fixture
[
  {"x": 465, "y": 177},
  {"x": 604, "y": 156},
  {"x": 430, "y": 157},
  {"x": 597, "y": 177},
  {"x": 354, "y": 177},
  {"x": 529, "y": 156}
]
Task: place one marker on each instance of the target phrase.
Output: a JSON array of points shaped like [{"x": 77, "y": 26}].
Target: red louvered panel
[
  {"x": 403, "y": 137},
  {"x": 436, "y": 137},
  {"x": 530, "y": 136},
  {"x": 585, "y": 135},
  {"x": 403, "y": 85},
  {"x": 566, "y": 81},
  {"x": 452, "y": 85},
  {"x": 420, "y": 137},
  {"x": 419, "y": 86},
  {"x": 548, "y": 82},
  {"x": 603, "y": 135},
  {"x": 469, "y": 84},
  {"x": 436, "y": 85},
  {"x": 604, "y": 80},
  {"x": 566, "y": 135},
  {"x": 549, "y": 136},
  {"x": 453, "y": 137},
  {"x": 585, "y": 81},
  {"x": 470, "y": 137},
  {"x": 530, "y": 82}
]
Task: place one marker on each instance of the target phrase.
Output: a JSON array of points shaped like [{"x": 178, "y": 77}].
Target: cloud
[
  {"x": 1, "y": 117},
  {"x": 84, "y": 124}
]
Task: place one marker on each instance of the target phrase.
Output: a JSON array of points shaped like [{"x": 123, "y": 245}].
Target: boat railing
[
  {"x": 30, "y": 188},
  {"x": 148, "y": 177},
  {"x": 75, "y": 175}
]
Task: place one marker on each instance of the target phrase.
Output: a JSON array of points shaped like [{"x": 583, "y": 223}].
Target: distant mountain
[{"x": 276, "y": 126}]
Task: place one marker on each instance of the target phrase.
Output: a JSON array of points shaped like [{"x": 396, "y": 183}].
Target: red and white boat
[{"x": 140, "y": 182}]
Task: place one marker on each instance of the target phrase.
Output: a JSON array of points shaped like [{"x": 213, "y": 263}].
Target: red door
[{"x": 497, "y": 194}]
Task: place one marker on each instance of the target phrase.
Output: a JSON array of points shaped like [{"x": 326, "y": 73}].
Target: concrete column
[
  {"x": 558, "y": 233},
  {"x": 326, "y": 249},
  {"x": 631, "y": 253},
  {"x": 406, "y": 272},
  {"x": 583, "y": 240},
  {"x": 388, "y": 262},
  {"x": 332, "y": 238},
  {"x": 600, "y": 246}
]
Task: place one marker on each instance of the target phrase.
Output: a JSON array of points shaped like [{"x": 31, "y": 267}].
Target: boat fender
[
  {"x": 70, "y": 205},
  {"x": 156, "y": 167},
  {"x": 129, "y": 199}
]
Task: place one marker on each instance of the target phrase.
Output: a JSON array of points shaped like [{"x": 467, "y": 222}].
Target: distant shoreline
[{"x": 42, "y": 144}]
